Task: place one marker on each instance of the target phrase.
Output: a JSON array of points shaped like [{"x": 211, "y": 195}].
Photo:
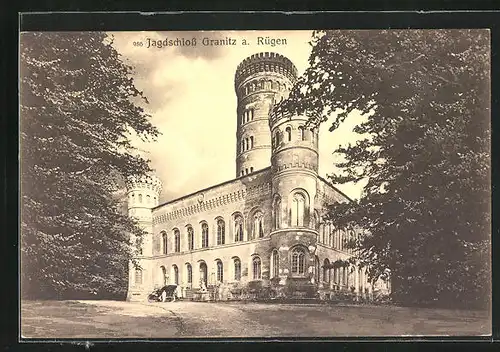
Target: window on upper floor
[
  {"x": 251, "y": 142},
  {"x": 277, "y": 212},
  {"x": 302, "y": 133},
  {"x": 298, "y": 209},
  {"x": 140, "y": 198},
  {"x": 258, "y": 226},
  {"x": 204, "y": 235},
  {"x": 177, "y": 241},
  {"x": 238, "y": 228},
  {"x": 164, "y": 242},
  {"x": 221, "y": 231},
  {"x": 190, "y": 238},
  {"x": 288, "y": 132},
  {"x": 138, "y": 244}
]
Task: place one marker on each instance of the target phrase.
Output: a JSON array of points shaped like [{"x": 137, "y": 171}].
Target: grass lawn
[{"x": 115, "y": 319}]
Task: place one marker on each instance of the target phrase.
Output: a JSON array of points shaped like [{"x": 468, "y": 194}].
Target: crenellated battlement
[
  {"x": 150, "y": 182},
  {"x": 275, "y": 116},
  {"x": 265, "y": 62}
]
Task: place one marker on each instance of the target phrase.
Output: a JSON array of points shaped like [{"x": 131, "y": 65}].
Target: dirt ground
[{"x": 117, "y": 319}]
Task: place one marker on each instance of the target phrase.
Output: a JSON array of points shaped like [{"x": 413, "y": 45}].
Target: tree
[
  {"x": 77, "y": 113},
  {"x": 424, "y": 149}
]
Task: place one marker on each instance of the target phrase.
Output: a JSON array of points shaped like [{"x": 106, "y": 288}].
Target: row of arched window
[
  {"x": 337, "y": 238},
  {"x": 297, "y": 210},
  {"x": 246, "y": 171},
  {"x": 246, "y": 144},
  {"x": 297, "y": 268},
  {"x": 287, "y": 135},
  {"x": 247, "y": 116},
  {"x": 142, "y": 199},
  {"x": 256, "y": 231},
  {"x": 264, "y": 85}
]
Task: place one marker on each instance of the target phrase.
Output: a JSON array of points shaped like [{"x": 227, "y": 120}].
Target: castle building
[{"x": 265, "y": 226}]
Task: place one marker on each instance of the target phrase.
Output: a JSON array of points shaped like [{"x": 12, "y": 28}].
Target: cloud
[{"x": 193, "y": 104}]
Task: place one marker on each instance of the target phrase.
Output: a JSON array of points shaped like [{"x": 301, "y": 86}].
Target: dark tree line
[
  {"x": 76, "y": 115},
  {"x": 426, "y": 207}
]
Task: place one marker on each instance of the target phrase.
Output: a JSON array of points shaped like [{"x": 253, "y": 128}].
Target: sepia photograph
[{"x": 255, "y": 184}]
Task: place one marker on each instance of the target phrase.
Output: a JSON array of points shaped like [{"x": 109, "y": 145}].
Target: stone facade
[{"x": 263, "y": 228}]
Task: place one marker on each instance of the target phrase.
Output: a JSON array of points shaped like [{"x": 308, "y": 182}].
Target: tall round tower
[
  {"x": 143, "y": 194},
  {"x": 260, "y": 80},
  {"x": 294, "y": 172}
]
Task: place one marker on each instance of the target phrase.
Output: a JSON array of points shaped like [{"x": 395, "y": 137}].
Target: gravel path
[{"x": 181, "y": 319}]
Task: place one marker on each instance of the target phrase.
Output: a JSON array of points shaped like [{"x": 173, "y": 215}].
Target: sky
[{"x": 192, "y": 102}]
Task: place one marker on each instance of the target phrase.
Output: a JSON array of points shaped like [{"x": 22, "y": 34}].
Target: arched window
[
  {"x": 251, "y": 142},
  {"x": 258, "y": 227},
  {"x": 238, "y": 228},
  {"x": 189, "y": 272},
  {"x": 326, "y": 270},
  {"x": 275, "y": 259},
  {"x": 251, "y": 114},
  {"x": 247, "y": 144},
  {"x": 204, "y": 235},
  {"x": 221, "y": 231},
  {"x": 288, "y": 132},
  {"x": 298, "y": 261},
  {"x": 242, "y": 173},
  {"x": 246, "y": 171},
  {"x": 163, "y": 278},
  {"x": 251, "y": 169},
  {"x": 220, "y": 271},
  {"x": 297, "y": 211},
  {"x": 164, "y": 242},
  {"x": 138, "y": 277},
  {"x": 256, "y": 265},
  {"x": 277, "y": 213},
  {"x": 177, "y": 241},
  {"x": 302, "y": 134},
  {"x": 140, "y": 198},
  {"x": 148, "y": 199},
  {"x": 176, "y": 274},
  {"x": 190, "y": 234},
  {"x": 237, "y": 269},
  {"x": 154, "y": 200},
  {"x": 242, "y": 146}
]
